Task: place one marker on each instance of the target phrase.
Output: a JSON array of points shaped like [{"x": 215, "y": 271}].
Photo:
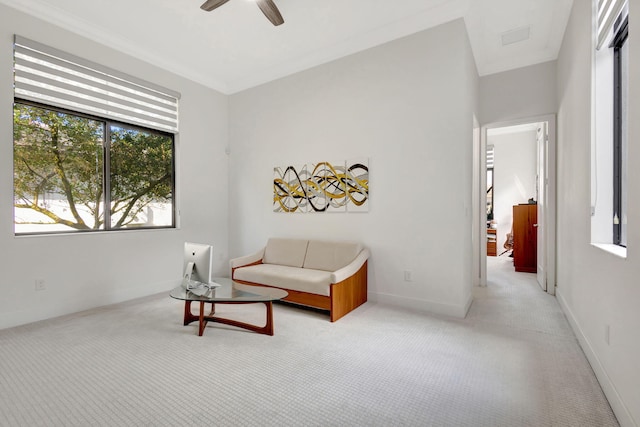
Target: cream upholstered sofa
[{"x": 322, "y": 274}]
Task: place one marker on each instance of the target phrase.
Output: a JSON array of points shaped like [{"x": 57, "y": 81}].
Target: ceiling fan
[{"x": 267, "y": 7}]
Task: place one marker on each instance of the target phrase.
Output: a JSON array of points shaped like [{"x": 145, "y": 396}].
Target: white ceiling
[{"x": 235, "y": 47}]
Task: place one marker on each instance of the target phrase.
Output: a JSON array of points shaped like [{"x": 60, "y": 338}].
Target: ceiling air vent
[{"x": 515, "y": 36}]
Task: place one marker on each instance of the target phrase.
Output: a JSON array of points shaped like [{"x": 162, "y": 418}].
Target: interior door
[{"x": 541, "y": 189}]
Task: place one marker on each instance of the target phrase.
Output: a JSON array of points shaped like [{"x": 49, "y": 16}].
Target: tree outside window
[{"x": 61, "y": 160}]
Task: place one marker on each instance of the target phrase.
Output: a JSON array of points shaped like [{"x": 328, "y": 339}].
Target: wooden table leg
[
  {"x": 268, "y": 328},
  {"x": 189, "y": 317},
  {"x": 202, "y": 323}
]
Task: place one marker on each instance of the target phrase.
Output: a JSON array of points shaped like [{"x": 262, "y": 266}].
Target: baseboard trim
[
  {"x": 617, "y": 404},
  {"x": 422, "y": 305},
  {"x": 79, "y": 302}
]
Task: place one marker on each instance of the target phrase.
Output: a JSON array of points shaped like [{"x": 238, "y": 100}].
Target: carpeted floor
[{"x": 512, "y": 362}]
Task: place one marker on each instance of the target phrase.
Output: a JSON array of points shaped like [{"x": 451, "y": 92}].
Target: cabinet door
[
  {"x": 492, "y": 248},
  {"x": 525, "y": 238}
]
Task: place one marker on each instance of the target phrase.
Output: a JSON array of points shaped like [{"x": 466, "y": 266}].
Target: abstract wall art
[
  {"x": 322, "y": 187},
  {"x": 357, "y": 185},
  {"x": 289, "y": 192}
]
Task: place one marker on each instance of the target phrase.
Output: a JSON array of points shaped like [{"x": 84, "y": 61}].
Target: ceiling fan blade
[
  {"x": 209, "y": 5},
  {"x": 271, "y": 11}
]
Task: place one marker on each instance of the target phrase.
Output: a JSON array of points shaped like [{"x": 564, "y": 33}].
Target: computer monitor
[{"x": 197, "y": 262}]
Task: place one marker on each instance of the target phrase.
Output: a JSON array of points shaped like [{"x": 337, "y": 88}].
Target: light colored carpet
[{"x": 512, "y": 362}]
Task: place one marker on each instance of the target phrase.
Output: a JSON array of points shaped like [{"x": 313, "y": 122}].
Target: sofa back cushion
[
  {"x": 330, "y": 256},
  {"x": 289, "y": 252}
]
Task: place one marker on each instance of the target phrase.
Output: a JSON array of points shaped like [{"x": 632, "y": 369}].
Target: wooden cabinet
[
  {"x": 525, "y": 237},
  {"x": 492, "y": 249}
]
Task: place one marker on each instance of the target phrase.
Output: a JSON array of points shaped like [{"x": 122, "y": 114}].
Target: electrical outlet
[
  {"x": 407, "y": 275},
  {"x": 40, "y": 285}
]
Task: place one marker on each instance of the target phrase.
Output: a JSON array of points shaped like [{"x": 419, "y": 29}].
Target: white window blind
[
  {"x": 53, "y": 77},
  {"x": 490, "y": 150},
  {"x": 608, "y": 11}
]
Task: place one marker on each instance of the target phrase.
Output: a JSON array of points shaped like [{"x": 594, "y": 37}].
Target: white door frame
[
  {"x": 542, "y": 145},
  {"x": 550, "y": 211},
  {"x": 477, "y": 242}
]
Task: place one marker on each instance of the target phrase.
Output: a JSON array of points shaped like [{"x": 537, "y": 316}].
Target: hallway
[{"x": 513, "y": 307}]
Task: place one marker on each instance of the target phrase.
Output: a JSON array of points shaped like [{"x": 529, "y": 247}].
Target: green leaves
[
  {"x": 59, "y": 171},
  {"x": 141, "y": 172}
]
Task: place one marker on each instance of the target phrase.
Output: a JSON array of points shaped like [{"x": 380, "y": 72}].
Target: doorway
[{"x": 519, "y": 170}]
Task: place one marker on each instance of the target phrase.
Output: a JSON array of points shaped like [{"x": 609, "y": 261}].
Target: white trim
[
  {"x": 615, "y": 401},
  {"x": 619, "y": 251},
  {"x": 77, "y": 302},
  {"x": 552, "y": 209},
  {"x": 525, "y": 127},
  {"x": 421, "y": 305},
  {"x": 479, "y": 220},
  {"x": 482, "y": 189},
  {"x": 552, "y": 188}
]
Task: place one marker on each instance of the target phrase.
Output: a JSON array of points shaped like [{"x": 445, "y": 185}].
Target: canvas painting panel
[
  {"x": 357, "y": 184},
  {"x": 289, "y": 189},
  {"x": 326, "y": 187}
]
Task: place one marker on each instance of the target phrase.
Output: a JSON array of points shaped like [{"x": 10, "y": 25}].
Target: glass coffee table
[{"x": 229, "y": 292}]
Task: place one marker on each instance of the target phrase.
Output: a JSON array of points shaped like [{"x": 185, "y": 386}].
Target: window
[
  {"x": 609, "y": 144},
  {"x": 490, "y": 192},
  {"x": 93, "y": 148},
  {"x": 68, "y": 167},
  {"x": 620, "y": 48}
]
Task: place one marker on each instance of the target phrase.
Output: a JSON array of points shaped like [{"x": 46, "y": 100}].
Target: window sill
[
  {"x": 616, "y": 250},
  {"x": 93, "y": 232}
]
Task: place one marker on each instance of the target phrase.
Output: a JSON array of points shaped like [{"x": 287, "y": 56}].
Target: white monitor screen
[{"x": 197, "y": 262}]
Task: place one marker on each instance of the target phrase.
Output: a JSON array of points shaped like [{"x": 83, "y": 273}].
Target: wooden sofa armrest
[
  {"x": 247, "y": 259},
  {"x": 351, "y": 268}
]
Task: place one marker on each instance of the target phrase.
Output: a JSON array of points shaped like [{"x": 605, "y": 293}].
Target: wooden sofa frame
[{"x": 344, "y": 296}]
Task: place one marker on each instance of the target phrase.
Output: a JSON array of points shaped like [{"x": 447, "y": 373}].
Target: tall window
[
  {"x": 620, "y": 46},
  {"x": 609, "y": 144},
  {"x": 93, "y": 148},
  {"x": 490, "y": 192}
]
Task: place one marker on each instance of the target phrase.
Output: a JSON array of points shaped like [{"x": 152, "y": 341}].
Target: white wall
[
  {"x": 517, "y": 94},
  {"x": 84, "y": 271},
  {"x": 596, "y": 288},
  {"x": 408, "y": 106},
  {"x": 514, "y": 176}
]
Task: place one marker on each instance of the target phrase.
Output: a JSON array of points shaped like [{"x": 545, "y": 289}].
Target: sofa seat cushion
[{"x": 297, "y": 279}]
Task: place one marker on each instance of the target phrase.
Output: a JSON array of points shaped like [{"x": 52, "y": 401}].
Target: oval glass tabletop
[{"x": 228, "y": 291}]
